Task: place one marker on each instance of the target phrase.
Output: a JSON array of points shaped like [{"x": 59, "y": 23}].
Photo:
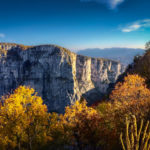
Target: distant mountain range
[{"x": 124, "y": 55}]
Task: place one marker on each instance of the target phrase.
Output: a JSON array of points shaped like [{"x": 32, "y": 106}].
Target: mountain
[
  {"x": 58, "y": 75},
  {"x": 123, "y": 55}
]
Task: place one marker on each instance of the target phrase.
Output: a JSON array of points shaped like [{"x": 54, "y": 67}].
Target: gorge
[{"x": 61, "y": 77}]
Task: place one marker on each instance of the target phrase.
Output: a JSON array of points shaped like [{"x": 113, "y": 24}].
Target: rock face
[{"x": 58, "y": 75}]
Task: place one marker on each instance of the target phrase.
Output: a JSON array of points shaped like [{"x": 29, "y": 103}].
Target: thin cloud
[
  {"x": 112, "y": 4},
  {"x": 136, "y": 25},
  {"x": 2, "y": 35}
]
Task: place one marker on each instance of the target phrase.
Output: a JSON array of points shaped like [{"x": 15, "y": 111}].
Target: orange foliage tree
[
  {"x": 128, "y": 98},
  {"x": 131, "y": 96},
  {"x": 133, "y": 88}
]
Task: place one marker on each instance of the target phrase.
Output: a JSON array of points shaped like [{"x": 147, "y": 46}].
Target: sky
[{"x": 76, "y": 24}]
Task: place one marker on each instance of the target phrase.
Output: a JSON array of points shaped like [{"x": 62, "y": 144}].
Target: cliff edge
[{"x": 61, "y": 77}]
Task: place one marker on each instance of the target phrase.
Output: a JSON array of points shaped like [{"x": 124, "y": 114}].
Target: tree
[
  {"x": 83, "y": 123},
  {"x": 141, "y": 67},
  {"x": 136, "y": 138},
  {"x": 128, "y": 98},
  {"x": 131, "y": 97},
  {"x": 57, "y": 133},
  {"x": 147, "y": 45},
  {"x": 23, "y": 120},
  {"x": 133, "y": 88}
]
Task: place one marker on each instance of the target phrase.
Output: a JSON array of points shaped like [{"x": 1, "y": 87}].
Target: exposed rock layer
[{"x": 58, "y": 75}]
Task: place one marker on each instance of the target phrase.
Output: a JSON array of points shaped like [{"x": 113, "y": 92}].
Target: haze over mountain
[{"x": 124, "y": 55}]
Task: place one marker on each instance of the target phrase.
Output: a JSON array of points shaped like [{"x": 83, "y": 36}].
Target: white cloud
[
  {"x": 112, "y": 4},
  {"x": 2, "y": 35},
  {"x": 136, "y": 25},
  {"x": 115, "y": 3}
]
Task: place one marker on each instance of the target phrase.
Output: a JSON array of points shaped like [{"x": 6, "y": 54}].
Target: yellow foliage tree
[
  {"x": 135, "y": 139},
  {"x": 84, "y": 124},
  {"x": 57, "y": 133},
  {"x": 23, "y": 120}
]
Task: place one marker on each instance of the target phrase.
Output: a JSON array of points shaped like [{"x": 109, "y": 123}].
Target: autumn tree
[
  {"x": 83, "y": 123},
  {"x": 23, "y": 120},
  {"x": 136, "y": 137},
  {"x": 128, "y": 98},
  {"x": 133, "y": 88},
  {"x": 131, "y": 96},
  {"x": 58, "y": 134}
]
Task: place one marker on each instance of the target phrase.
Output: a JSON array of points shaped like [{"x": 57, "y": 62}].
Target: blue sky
[{"x": 76, "y": 24}]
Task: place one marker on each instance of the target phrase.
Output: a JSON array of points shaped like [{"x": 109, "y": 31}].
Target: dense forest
[{"x": 119, "y": 122}]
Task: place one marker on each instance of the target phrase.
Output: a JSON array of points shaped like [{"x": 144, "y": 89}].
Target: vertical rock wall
[{"x": 58, "y": 75}]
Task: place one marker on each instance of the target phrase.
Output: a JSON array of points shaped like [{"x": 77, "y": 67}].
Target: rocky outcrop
[{"x": 58, "y": 75}]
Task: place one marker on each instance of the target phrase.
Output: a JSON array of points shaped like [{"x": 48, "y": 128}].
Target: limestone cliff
[{"x": 58, "y": 75}]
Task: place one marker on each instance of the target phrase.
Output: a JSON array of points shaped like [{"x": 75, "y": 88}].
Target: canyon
[{"x": 58, "y": 75}]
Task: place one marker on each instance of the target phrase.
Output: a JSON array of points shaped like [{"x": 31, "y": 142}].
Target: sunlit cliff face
[{"x": 58, "y": 75}]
